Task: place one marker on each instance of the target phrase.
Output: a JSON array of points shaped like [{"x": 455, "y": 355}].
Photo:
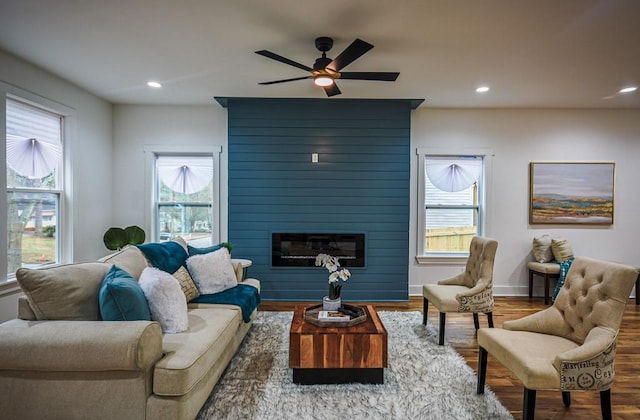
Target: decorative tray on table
[{"x": 356, "y": 315}]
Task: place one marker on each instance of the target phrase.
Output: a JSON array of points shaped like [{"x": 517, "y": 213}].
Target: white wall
[
  {"x": 90, "y": 203},
  {"x": 138, "y": 126},
  {"x": 518, "y": 137},
  {"x": 109, "y": 182}
]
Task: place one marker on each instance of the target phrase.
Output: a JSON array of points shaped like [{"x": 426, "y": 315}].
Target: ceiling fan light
[{"x": 323, "y": 81}]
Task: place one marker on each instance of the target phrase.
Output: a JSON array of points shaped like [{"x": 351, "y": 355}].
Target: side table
[{"x": 548, "y": 271}]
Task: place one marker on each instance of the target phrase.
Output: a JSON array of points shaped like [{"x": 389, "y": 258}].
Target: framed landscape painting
[{"x": 571, "y": 192}]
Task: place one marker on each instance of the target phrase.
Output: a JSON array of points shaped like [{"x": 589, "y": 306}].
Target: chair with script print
[
  {"x": 570, "y": 346},
  {"x": 469, "y": 291}
]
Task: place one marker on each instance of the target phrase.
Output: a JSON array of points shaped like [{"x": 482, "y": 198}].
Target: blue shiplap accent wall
[{"x": 360, "y": 184}]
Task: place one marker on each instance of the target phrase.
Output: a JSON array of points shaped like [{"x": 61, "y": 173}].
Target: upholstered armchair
[
  {"x": 569, "y": 346},
  {"x": 469, "y": 291}
]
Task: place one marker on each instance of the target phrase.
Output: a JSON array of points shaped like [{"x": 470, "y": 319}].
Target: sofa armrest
[
  {"x": 457, "y": 280},
  {"x": 79, "y": 345},
  {"x": 477, "y": 299},
  {"x": 591, "y": 365},
  {"x": 546, "y": 321},
  {"x": 252, "y": 282},
  {"x": 24, "y": 309}
]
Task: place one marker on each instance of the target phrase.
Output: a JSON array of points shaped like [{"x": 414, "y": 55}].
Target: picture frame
[{"x": 576, "y": 193}]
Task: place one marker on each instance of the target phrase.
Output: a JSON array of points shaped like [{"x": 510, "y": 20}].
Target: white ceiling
[{"x": 535, "y": 53}]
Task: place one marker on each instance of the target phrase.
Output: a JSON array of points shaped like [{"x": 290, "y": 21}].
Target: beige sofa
[{"x": 59, "y": 360}]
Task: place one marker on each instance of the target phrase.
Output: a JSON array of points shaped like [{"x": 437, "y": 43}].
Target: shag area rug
[{"x": 423, "y": 380}]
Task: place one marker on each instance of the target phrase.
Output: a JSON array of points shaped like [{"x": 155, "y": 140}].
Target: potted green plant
[{"x": 115, "y": 238}]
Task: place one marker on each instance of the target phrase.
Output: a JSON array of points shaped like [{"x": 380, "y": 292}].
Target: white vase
[{"x": 331, "y": 304}]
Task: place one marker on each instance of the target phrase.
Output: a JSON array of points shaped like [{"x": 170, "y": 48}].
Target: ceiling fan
[{"x": 326, "y": 71}]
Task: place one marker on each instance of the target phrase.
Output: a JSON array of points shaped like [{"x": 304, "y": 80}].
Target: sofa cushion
[
  {"x": 542, "y": 252},
  {"x": 187, "y": 284},
  {"x": 212, "y": 272},
  {"x": 129, "y": 258},
  {"x": 561, "y": 248},
  {"x": 544, "y": 268},
  {"x": 167, "y": 256},
  {"x": 167, "y": 303},
  {"x": 66, "y": 292},
  {"x": 527, "y": 354},
  {"x": 191, "y": 355},
  {"x": 121, "y": 298}
]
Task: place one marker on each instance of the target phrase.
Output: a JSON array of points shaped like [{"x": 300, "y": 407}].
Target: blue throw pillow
[
  {"x": 121, "y": 298},
  {"x": 167, "y": 256},
  {"x": 198, "y": 251},
  {"x": 564, "y": 269}
]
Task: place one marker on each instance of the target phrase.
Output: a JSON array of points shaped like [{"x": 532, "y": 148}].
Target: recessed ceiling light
[
  {"x": 482, "y": 89},
  {"x": 628, "y": 89},
  {"x": 154, "y": 85}
]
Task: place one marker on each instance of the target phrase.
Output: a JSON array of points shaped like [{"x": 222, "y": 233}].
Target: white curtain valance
[
  {"x": 186, "y": 176},
  {"x": 453, "y": 174},
  {"x": 33, "y": 140}
]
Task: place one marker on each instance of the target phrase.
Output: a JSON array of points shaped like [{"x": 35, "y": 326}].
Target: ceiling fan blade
[
  {"x": 350, "y": 54},
  {"x": 370, "y": 75},
  {"x": 282, "y": 59},
  {"x": 332, "y": 90},
  {"x": 285, "y": 80}
]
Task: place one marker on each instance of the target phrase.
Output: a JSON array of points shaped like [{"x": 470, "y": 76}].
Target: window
[
  {"x": 184, "y": 187},
  {"x": 34, "y": 185},
  {"x": 452, "y": 210}
]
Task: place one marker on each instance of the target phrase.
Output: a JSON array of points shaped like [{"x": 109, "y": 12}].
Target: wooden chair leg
[
  {"x": 476, "y": 322},
  {"x": 638, "y": 290},
  {"x": 566, "y": 398},
  {"x": 529, "y": 405},
  {"x": 482, "y": 370},
  {"x": 546, "y": 288},
  {"x": 443, "y": 318},
  {"x": 490, "y": 319},
  {"x": 425, "y": 307},
  {"x": 530, "y": 284},
  {"x": 605, "y": 404}
]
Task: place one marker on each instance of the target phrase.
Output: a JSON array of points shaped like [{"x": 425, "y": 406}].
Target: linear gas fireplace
[{"x": 301, "y": 249}]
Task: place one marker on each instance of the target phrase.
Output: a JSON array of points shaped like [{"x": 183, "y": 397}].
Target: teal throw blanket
[
  {"x": 564, "y": 269},
  {"x": 242, "y": 295}
]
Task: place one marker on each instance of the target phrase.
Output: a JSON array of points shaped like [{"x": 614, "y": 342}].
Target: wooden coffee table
[{"x": 332, "y": 355}]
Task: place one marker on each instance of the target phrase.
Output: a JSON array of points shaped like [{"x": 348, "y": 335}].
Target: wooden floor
[{"x": 460, "y": 334}]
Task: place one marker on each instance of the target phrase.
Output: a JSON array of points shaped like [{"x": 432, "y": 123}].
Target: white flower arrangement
[{"x": 336, "y": 273}]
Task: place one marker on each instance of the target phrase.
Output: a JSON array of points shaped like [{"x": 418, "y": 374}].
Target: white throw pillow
[
  {"x": 167, "y": 302},
  {"x": 212, "y": 272}
]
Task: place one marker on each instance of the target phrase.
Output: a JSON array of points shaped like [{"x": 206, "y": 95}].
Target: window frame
[
  {"x": 64, "y": 182},
  {"x": 483, "y": 203},
  {"x": 151, "y": 193}
]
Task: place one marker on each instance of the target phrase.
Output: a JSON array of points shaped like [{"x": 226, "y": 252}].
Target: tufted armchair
[
  {"x": 469, "y": 291},
  {"x": 571, "y": 345}
]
